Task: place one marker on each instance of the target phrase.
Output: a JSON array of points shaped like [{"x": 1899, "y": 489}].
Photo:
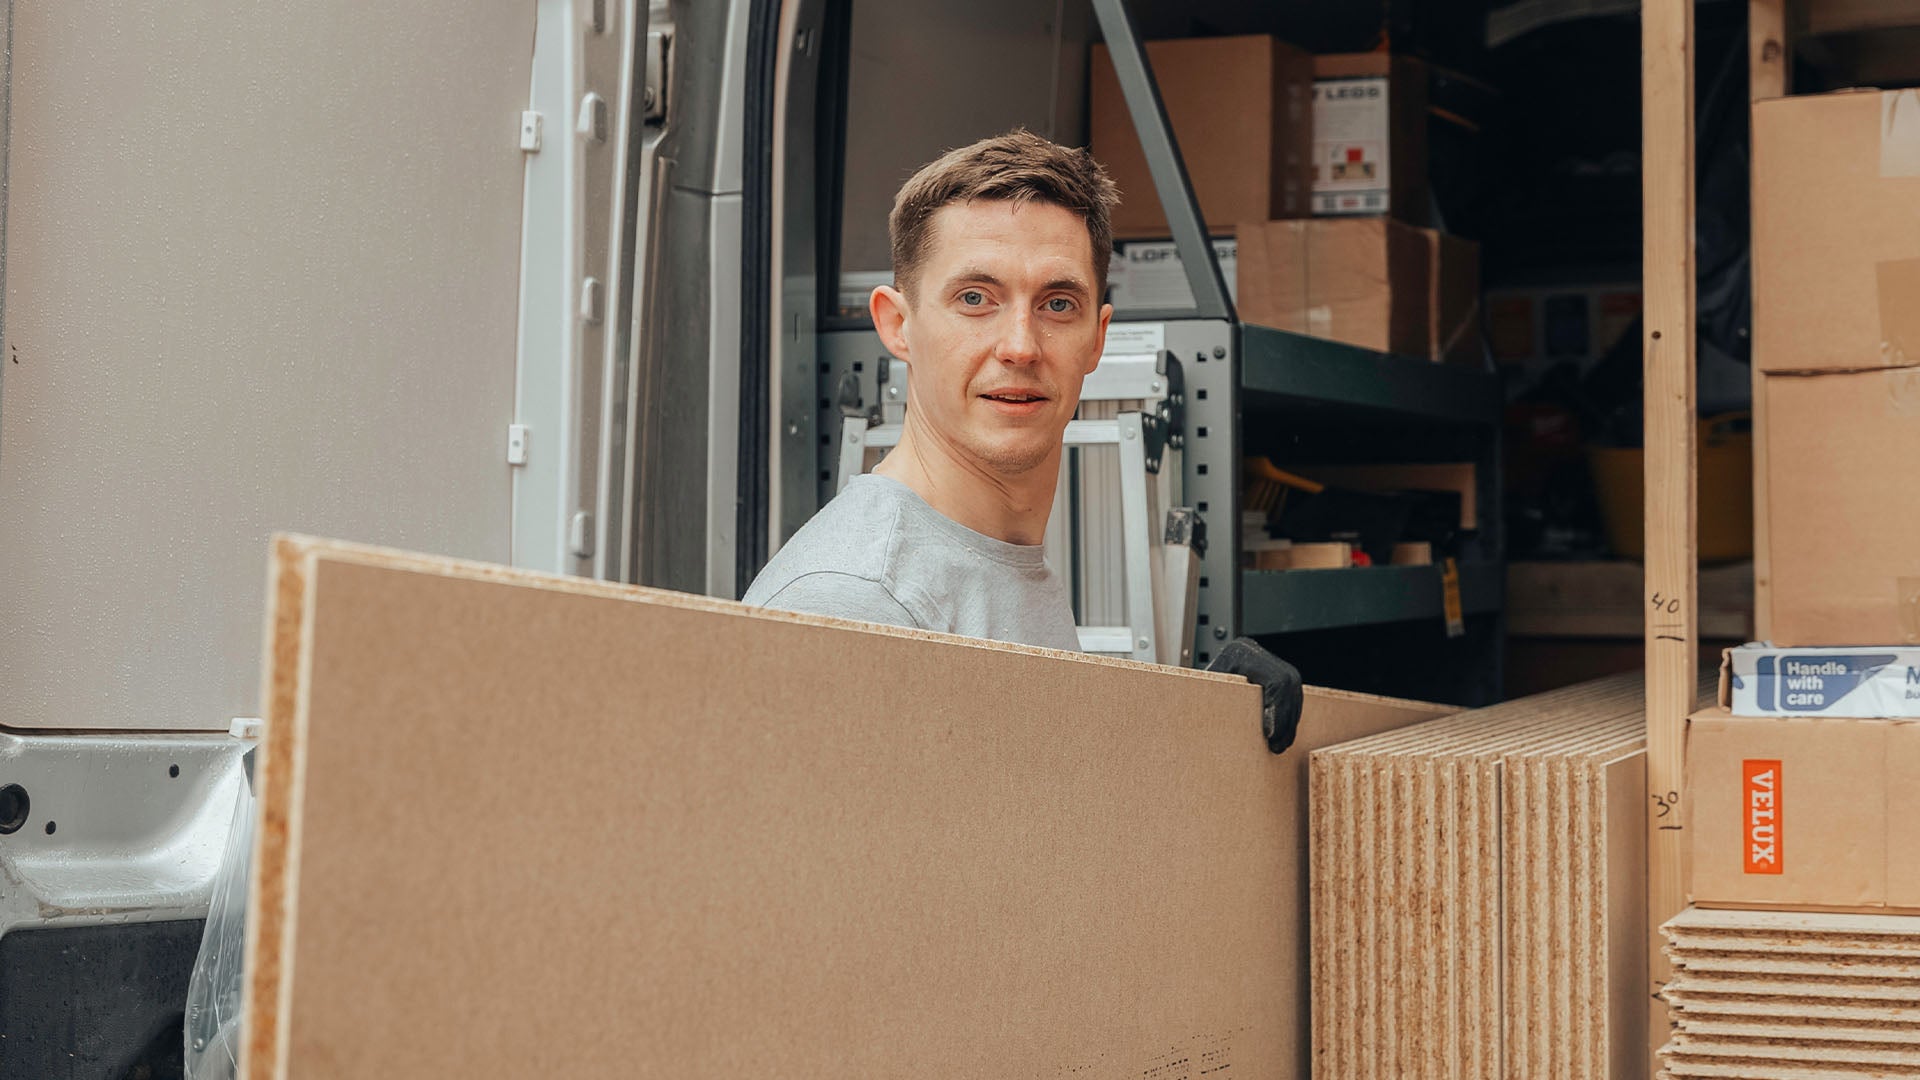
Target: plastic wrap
[{"x": 213, "y": 994}]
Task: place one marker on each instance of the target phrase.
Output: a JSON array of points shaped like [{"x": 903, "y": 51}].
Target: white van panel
[{"x": 261, "y": 273}]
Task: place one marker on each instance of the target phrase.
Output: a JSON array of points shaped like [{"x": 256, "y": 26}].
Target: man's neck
[{"x": 1013, "y": 509}]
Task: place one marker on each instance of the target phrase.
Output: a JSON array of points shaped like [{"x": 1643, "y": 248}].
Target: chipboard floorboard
[
  {"x": 1793, "y": 995},
  {"x": 519, "y": 824},
  {"x": 1776, "y": 1069}
]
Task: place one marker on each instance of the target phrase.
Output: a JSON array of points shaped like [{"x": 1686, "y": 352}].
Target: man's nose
[{"x": 1019, "y": 342}]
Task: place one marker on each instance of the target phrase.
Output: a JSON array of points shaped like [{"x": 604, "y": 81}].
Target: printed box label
[
  {"x": 1763, "y": 812},
  {"x": 1815, "y": 683}
]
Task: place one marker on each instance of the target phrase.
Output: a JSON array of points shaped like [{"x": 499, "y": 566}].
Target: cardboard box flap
[
  {"x": 1900, "y": 133},
  {"x": 1903, "y": 811},
  {"x": 1352, "y": 65},
  {"x": 1454, "y": 303},
  {"x": 1898, "y": 286}
]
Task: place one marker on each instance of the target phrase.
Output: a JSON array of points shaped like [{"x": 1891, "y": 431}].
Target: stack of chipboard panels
[
  {"x": 1477, "y": 892},
  {"x": 1781, "y": 994}
]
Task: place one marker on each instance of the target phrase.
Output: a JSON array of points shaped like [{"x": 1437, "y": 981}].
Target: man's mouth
[{"x": 1016, "y": 404}]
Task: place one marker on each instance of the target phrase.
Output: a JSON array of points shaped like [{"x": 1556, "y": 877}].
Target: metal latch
[{"x": 653, "y": 92}]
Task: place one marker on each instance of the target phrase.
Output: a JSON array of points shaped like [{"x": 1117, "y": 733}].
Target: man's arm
[{"x": 843, "y": 596}]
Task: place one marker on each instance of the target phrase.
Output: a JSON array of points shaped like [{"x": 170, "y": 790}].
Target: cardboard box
[
  {"x": 1839, "y": 563},
  {"x": 1327, "y": 555},
  {"x": 1147, "y": 275},
  {"x": 1357, "y": 281},
  {"x": 1241, "y": 113},
  {"x": 1370, "y": 136},
  {"x": 1836, "y": 231},
  {"x": 1453, "y": 304},
  {"x": 1364, "y": 281},
  {"x": 1765, "y": 680},
  {"x": 1412, "y": 553},
  {"x": 1808, "y": 813},
  {"x": 1836, "y": 251}
]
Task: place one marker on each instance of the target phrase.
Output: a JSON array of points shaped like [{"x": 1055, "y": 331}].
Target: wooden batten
[
  {"x": 1769, "y": 49},
  {"x": 1672, "y": 548}
]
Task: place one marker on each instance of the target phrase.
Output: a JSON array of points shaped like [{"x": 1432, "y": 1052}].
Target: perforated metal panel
[{"x": 87, "y": 1002}]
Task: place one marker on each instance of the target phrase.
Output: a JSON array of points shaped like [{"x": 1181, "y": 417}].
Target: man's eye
[
  {"x": 1059, "y": 304},
  {"x": 973, "y": 298}
]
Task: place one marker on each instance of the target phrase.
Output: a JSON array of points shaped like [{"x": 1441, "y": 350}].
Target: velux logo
[{"x": 1761, "y": 816}]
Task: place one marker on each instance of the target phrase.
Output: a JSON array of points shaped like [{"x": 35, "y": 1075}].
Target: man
[{"x": 1000, "y": 256}]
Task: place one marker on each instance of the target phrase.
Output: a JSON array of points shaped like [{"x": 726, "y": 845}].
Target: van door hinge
[
  {"x": 592, "y": 124},
  {"x": 516, "y": 444},
  {"x": 530, "y": 125},
  {"x": 653, "y": 92},
  {"x": 580, "y": 534}
]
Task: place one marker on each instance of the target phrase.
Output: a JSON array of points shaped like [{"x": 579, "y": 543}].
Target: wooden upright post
[
  {"x": 1771, "y": 26},
  {"x": 1666, "y": 28},
  {"x": 1769, "y": 49}
]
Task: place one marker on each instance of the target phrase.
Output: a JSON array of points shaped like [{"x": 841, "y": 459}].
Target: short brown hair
[{"x": 1018, "y": 166}]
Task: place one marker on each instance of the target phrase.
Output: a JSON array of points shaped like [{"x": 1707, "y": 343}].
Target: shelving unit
[
  {"x": 1331, "y": 399},
  {"x": 1286, "y": 372},
  {"x": 1294, "y": 601},
  {"x": 1354, "y": 403},
  {"x": 1291, "y": 378}
]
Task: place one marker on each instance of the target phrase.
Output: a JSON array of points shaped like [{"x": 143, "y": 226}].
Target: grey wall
[
  {"x": 930, "y": 75},
  {"x": 261, "y": 274}
]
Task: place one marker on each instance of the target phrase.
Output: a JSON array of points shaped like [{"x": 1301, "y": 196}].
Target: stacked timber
[
  {"x": 1478, "y": 892},
  {"x": 1787, "y": 995}
]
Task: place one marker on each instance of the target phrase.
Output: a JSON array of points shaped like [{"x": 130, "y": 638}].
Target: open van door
[{"x": 364, "y": 271}]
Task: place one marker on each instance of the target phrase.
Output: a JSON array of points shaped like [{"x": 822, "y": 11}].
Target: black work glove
[{"x": 1280, "y": 688}]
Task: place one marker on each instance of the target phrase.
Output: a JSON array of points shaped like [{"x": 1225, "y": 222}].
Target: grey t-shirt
[{"x": 878, "y": 553}]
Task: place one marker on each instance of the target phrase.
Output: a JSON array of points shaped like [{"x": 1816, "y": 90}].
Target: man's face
[{"x": 1003, "y": 327}]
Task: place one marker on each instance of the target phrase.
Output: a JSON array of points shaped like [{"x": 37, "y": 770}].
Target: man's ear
[
  {"x": 888, "y": 306},
  {"x": 1100, "y": 337}
]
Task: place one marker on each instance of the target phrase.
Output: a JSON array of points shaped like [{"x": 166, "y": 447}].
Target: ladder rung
[{"x": 1112, "y": 640}]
